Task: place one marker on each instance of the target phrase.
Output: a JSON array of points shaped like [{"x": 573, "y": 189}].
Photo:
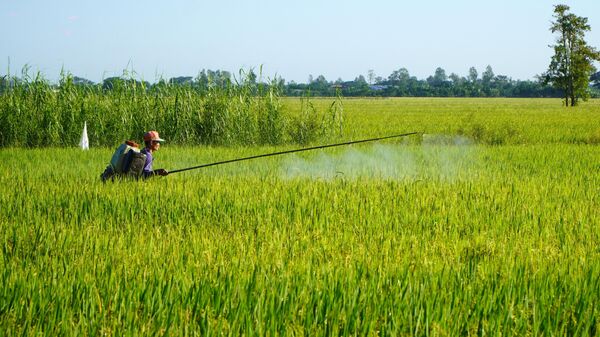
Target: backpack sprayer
[{"x": 292, "y": 151}]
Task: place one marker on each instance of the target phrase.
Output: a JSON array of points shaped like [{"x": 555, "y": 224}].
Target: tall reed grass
[{"x": 34, "y": 112}]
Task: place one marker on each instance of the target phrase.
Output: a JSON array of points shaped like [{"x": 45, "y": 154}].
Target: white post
[{"x": 84, "y": 143}]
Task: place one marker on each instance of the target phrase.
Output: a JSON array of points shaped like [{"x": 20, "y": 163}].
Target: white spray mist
[{"x": 438, "y": 157}]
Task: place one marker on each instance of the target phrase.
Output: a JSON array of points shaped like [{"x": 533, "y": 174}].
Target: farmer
[{"x": 152, "y": 141}]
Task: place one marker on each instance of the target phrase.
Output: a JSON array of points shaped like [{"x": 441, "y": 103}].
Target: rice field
[{"x": 488, "y": 225}]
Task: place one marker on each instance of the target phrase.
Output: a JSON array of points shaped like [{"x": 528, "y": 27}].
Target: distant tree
[
  {"x": 82, "y": 81},
  {"x": 572, "y": 63},
  {"x": 399, "y": 82},
  {"x": 111, "y": 82},
  {"x": 359, "y": 87},
  {"x": 320, "y": 86},
  {"x": 439, "y": 84},
  {"x": 201, "y": 81},
  {"x": 595, "y": 79},
  {"x": 3, "y": 83},
  {"x": 473, "y": 87},
  {"x": 120, "y": 83},
  {"x": 487, "y": 78},
  {"x": 181, "y": 80},
  {"x": 595, "y": 83},
  {"x": 502, "y": 79},
  {"x": 473, "y": 74},
  {"x": 221, "y": 78},
  {"x": 400, "y": 75},
  {"x": 458, "y": 85},
  {"x": 371, "y": 76},
  {"x": 279, "y": 82},
  {"x": 360, "y": 79},
  {"x": 252, "y": 77},
  {"x": 320, "y": 80},
  {"x": 488, "y": 75},
  {"x": 438, "y": 78},
  {"x": 455, "y": 78},
  {"x": 503, "y": 85}
]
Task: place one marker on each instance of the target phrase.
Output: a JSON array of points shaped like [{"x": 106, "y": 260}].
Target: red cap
[{"x": 152, "y": 136}]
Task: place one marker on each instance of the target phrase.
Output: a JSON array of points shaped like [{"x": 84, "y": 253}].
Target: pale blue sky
[{"x": 294, "y": 39}]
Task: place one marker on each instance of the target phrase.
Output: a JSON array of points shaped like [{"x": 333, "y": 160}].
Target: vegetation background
[{"x": 34, "y": 112}]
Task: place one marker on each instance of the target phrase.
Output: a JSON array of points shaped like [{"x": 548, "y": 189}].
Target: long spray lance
[{"x": 292, "y": 151}]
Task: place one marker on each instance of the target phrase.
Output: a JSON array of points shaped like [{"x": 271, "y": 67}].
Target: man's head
[{"x": 152, "y": 140}]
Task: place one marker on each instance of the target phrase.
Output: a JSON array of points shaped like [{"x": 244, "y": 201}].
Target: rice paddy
[{"x": 488, "y": 224}]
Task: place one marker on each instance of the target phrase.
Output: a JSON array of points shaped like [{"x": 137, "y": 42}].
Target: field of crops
[{"x": 488, "y": 224}]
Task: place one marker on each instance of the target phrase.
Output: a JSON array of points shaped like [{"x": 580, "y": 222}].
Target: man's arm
[{"x": 159, "y": 172}]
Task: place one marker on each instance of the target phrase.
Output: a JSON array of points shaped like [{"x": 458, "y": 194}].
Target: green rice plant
[
  {"x": 510, "y": 120},
  {"x": 595, "y": 137},
  {"x": 460, "y": 239}
]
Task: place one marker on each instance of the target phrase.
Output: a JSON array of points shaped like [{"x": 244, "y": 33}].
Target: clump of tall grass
[
  {"x": 499, "y": 133},
  {"x": 308, "y": 126},
  {"x": 594, "y": 138},
  {"x": 242, "y": 111}
]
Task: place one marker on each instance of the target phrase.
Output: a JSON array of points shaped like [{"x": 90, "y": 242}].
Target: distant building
[{"x": 378, "y": 87}]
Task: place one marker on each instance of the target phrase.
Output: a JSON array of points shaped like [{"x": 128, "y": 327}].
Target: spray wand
[{"x": 292, "y": 151}]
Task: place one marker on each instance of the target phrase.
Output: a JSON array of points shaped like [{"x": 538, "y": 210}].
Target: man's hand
[{"x": 161, "y": 172}]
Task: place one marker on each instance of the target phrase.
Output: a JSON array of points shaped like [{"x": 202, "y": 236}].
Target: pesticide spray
[
  {"x": 438, "y": 157},
  {"x": 295, "y": 151}
]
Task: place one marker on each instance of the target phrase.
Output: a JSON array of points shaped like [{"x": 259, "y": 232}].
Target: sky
[{"x": 289, "y": 39}]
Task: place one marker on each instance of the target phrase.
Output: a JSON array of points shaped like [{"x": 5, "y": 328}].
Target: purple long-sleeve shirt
[{"x": 147, "y": 171}]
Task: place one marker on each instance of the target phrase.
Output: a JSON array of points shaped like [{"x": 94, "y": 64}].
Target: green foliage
[
  {"x": 35, "y": 113},
  {"x": 401, "y": 84},
  {"x": 334, "y": 120},
  {"x": 306, "y": 126},
  {"x": 572, "y": 63},
  {"x": 594, "y": 137},
  {"x": 500, "y": 134}
]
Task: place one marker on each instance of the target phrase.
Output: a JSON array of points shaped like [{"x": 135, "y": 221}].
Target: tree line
[
  {"x": 401, "y": 84},
  {"x": 398, "y": 84}
]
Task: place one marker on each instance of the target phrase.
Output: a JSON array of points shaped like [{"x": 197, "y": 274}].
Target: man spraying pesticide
[
  {"x": 293, "y": 151},
  {"x": 152, "y": 142},
  {"x": 129, "y": 161}
]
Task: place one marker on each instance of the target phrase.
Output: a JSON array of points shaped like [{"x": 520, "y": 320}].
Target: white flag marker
[{"x": 84, "y": 142}]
